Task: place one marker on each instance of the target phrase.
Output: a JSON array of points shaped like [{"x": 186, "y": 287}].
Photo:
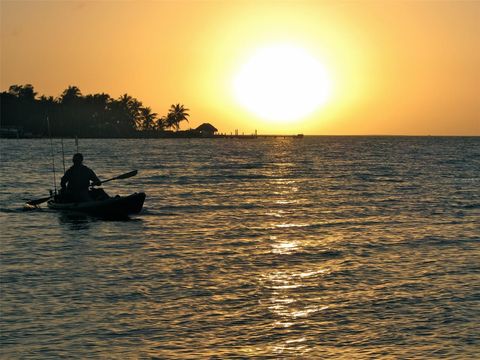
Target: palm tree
[
  {"x": 70, "y": 120},
  {"x": 148, "y": 118},
  {"x": 46, "y": 105},
  {"x": 176, "y": 114},
  {"x": 161, "y": 124},
  {"x": 24, "y": 98},
  {"x": 23, "y": 92},
  {"x": 70, "y": 94},
  {"x": 95, "y": 111},
  {"x": 128, "y": 112}
]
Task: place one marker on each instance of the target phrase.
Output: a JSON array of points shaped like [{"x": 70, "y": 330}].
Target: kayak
[{"x": 102, "y": 205}]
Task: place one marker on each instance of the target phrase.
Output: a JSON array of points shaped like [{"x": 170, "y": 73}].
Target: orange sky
[{"x": 395, "y": 67}]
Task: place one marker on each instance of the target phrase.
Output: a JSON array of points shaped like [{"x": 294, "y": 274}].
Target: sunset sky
[{"x": 325, "y": 67}]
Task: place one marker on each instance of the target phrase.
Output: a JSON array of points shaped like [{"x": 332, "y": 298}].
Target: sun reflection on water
[
  {"x": 289, "y": 301},
  {"x": 285, "y": 247}
]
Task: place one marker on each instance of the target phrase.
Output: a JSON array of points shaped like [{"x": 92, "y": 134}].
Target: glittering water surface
[{"x": 343, "y": 247}]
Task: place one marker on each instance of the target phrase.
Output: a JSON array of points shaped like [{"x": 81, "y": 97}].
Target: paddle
[
  {"x": 39, "y": 201},
  {"x": 123, "y": 176}
]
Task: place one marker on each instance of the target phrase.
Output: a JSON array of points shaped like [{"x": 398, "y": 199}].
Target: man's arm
[
  {"x": 94, "y": 178},
  {"x": 65, "y": 179}
]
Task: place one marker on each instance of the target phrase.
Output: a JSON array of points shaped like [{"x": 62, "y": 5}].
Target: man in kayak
[{"x": 76, "y": 180}]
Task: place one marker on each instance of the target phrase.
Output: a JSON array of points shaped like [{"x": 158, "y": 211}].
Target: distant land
[{"x": 26, "y": 115}]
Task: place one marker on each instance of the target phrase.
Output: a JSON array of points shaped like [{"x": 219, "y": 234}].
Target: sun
[{"x": 282, "y": 83}]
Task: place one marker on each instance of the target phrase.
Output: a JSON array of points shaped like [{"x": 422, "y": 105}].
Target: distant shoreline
[
  {"x": 225, "y": 136},
  {"x": 159, "y": 136}
]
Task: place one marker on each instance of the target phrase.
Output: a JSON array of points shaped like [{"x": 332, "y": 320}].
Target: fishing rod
[
  {"x": 63, "y": 157},
  {"x": 53, "y": 156}
]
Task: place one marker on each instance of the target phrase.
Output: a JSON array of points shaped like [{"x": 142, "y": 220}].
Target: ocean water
[{"x": 313, "y": 248}]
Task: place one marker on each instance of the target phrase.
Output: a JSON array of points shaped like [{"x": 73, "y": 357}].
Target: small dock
[{"x": 256, "y": 136}]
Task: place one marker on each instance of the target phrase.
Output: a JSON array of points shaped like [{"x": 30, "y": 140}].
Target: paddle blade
[
  {"x": 123, "y": 176},
  {"x": 38, "y": 201},
  {"x": 127, "y": 175}
]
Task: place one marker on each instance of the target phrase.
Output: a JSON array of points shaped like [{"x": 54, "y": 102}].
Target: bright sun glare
[{"x": 282, "y": 83}]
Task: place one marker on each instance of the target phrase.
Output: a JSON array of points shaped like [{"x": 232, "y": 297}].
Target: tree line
[{"x": 73, "y": 114}]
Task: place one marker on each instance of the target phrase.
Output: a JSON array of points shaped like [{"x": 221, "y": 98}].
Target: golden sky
[{"x": 408, "y": 68}]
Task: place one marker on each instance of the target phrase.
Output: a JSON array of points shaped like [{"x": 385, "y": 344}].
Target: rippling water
[{"x": 342, "y": 247}]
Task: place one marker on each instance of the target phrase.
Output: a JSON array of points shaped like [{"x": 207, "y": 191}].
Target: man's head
[{"x": 77, "y": 159}]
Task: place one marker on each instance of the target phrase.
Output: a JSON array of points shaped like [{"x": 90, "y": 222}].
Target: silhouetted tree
[
  {"x": 71, "y": 117},
  {"x": 176, "y": 114},
  {"x": 9, "y": 109},
  {"x": 148, "y": 118},
  {"x": 22, "y": 107},
  {"x": 97, "y": 114},
  {"x": 70, "y": 94},
  {"x": 47, "y": 107},
  {"x": 161, "y": 124},
  {"x": 23, "y": 92},
  {"x": 126, "y": 113}
]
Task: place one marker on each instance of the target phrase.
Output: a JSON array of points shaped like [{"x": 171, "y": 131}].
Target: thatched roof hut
[{"x": 207, "y": 129}]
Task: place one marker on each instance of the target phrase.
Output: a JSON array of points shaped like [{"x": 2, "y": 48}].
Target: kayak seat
[{"x": 98, "y": 194}]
